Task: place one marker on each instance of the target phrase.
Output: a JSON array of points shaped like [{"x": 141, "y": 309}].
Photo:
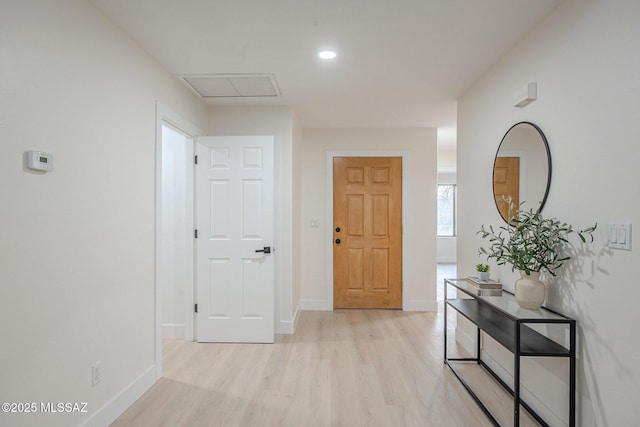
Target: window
[{"x": 446, "y": 210}]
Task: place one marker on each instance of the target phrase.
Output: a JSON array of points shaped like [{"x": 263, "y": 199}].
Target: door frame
[
  {"x": 523, "y": 169},
  {"x": 165, "y": 115},
  {"x": 329, "y": 210}
]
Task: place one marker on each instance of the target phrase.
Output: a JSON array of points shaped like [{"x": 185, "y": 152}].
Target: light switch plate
[{"x": 620, "y": 236}]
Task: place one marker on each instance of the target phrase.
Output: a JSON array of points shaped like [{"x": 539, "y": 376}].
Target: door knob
[
  {"x": 266, "y": 250},
  {"x": 337, "y": 229},
  {"x": 337, "y": 241}
]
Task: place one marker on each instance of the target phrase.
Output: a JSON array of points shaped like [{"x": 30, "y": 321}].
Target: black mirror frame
[{"x": 546, "y": 147}]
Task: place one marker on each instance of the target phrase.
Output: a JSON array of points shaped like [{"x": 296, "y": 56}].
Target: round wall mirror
[{"x": 522, "y": 168}]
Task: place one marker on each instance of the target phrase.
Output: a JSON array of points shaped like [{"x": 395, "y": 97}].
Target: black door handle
[
  {"x": 266, "y": 250},
  {"x": 337, "y": 241}
]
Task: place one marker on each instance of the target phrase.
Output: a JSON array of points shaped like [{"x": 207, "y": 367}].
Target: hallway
[{"x": 346, "y": 367}]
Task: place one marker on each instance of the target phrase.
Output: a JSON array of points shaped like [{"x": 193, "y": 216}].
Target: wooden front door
[
  {"x": 506, "y": 182},
  {"x": 367, "y": 233}
]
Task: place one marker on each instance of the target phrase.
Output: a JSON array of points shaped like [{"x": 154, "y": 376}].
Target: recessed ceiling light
[{"x": 327, "y": 54}]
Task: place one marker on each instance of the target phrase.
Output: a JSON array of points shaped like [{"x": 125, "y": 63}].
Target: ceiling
[{"x": 400, "y": 63}]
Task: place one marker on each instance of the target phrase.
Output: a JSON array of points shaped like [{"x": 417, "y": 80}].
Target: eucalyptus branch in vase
[{"x": 530, "y": 242}]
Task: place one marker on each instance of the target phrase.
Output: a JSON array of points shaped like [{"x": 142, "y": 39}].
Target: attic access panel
[{"x": 233, "y": 85}]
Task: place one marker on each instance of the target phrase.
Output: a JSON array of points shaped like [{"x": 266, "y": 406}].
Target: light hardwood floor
[{"x": 341, "y": 368}]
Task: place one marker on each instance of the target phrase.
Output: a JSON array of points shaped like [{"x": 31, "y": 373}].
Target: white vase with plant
[
  {"x": 530, "y": 243},
  {"x": 483, "y": 272}
]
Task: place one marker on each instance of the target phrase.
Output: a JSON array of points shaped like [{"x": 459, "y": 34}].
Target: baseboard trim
[
  {"x": 285, "y": 327},
  {"x": 316, "y": 305},
  {"x": 288, "y": 327},
  {"x": 527, "y": 395},
  {"x": 411, "y": 305},
  {"x": 121, "y": 401},
  {"x": 420, "y": 305}
]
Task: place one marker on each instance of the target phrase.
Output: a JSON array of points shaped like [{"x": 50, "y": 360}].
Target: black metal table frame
[{"x": 517, "y": 352}]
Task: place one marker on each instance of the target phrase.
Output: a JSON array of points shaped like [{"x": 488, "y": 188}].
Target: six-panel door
[
  {"x": 367, "y": 220},
  {"x": 234, "y": 220}
]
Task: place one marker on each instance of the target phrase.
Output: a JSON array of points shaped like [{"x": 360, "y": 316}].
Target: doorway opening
[
  {"x": 174, "y": 217},
  {"x": 175, "y": 237},
  {"x": 329, "y": 248}
]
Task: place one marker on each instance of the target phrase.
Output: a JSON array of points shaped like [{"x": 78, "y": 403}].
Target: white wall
[
  {"x": 447, "y": 160},
  {"x": 281, "y": 123},
  {"x": 419, "y": 203},
  {"x": 583, "y": 59},
  {"x": 77, "y": 244}
]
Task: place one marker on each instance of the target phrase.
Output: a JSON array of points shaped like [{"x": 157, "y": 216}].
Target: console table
[{"x": 497, "y": 314}]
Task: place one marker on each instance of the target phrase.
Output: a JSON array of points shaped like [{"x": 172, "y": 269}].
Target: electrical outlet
[{"x": 96, "y": 373}]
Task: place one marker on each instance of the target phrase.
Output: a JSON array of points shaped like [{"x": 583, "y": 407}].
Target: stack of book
[{"x": 487, "y": 287}]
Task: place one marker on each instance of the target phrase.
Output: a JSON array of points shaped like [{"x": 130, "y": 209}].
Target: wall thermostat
[{"x": 39, "y": 161}]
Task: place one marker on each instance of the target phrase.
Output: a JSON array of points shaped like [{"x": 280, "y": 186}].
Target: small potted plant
[
  {"x": 530, "y": 243},
  {"x": 483, "y": 272}
]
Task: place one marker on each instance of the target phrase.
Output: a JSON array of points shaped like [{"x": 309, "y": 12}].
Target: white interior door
[{"x": 234, "y": 219}]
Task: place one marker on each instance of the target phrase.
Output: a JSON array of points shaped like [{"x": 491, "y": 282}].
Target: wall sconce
[{"x": 526, "y": 95}]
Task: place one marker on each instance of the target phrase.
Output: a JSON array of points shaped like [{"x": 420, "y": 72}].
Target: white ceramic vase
[
  {"x": 483, "y": 275},
  {"x": 530, "y": 291}
]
